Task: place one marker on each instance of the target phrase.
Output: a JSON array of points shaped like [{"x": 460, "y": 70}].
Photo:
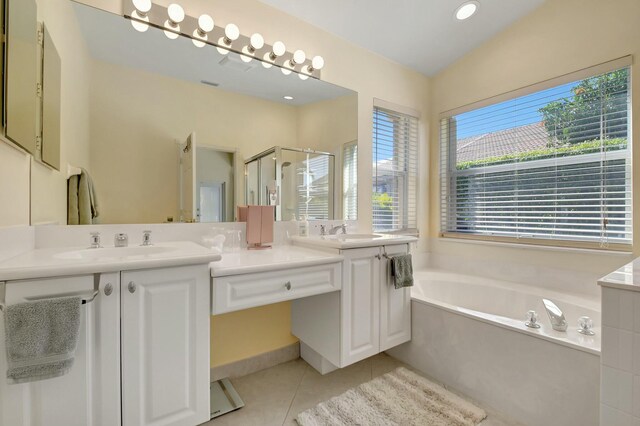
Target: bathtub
[{"x": 469, "y": 333}]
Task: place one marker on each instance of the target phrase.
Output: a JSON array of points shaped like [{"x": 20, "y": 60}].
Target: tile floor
[{"x": 276, "y": 395}]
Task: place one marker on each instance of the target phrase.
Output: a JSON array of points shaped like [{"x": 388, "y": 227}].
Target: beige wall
[
  {"x": 560, "y": 37},
  {"x": 136, "y": 119},
  {"x": 49, "y": 187}
]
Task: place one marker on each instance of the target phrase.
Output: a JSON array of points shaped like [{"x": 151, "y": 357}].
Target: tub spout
[{"x": 558, "y": 322}]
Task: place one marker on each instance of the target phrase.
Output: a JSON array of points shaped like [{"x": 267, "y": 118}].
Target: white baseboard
[{"x": 256, "y": 363}]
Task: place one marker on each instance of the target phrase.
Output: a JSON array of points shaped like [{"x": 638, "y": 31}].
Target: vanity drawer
[{"x": 236, "y": 292}]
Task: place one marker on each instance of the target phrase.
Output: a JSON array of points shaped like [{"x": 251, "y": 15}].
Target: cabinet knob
[
  {"x": 108, "y": 289},
  {"x": 132, "y": 287},
  {"x": 287, "y": 285}
]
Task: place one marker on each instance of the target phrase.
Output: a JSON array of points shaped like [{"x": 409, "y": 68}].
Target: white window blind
[
  {"x": 395, "y": 162},
  {"x": 551, "y": 165},
  {"x": 350, "y": 180}
]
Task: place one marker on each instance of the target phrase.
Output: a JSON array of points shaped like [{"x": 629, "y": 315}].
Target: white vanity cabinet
[
  {"x": 142, "y": 356},
  {"x": 367, "y": 317},
  {"x": 90, "y": 393},
  {"x": 165, "y": 346}
]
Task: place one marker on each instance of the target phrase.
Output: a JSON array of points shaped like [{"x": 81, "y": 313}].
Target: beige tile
[
  {"x": 267, "y": 395},
  {"x": 316, "y": 388},
  {"x": 383, "y": 364}
]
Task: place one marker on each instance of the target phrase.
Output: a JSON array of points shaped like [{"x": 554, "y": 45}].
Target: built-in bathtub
[{"x": 469, "y": 333}]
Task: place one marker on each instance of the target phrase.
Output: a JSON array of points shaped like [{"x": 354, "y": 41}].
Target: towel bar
[{"x": 85, "y": 299}]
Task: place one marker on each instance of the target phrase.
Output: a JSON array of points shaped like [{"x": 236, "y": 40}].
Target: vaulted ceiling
[{"x": 421, "y": 34}]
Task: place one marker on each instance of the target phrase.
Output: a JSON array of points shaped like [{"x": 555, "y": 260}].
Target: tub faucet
[{"x": 558, "y": 322}]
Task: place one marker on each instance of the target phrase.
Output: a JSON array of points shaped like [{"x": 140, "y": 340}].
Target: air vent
[
  {"x": 232, "y": 60},
  {"x": 209, "y": 83}
]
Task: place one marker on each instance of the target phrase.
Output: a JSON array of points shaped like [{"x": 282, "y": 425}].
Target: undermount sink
[{"x": 114, "y": 252}]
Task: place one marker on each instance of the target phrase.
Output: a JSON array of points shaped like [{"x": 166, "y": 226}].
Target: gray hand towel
[
  {"x": 402, "y": 271},
  {"x": 41, "y": 338},
  {"x": 87, "y": 199}
]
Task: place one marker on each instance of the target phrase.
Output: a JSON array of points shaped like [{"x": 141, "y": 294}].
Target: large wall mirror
[{"x": 179, "y": 133}]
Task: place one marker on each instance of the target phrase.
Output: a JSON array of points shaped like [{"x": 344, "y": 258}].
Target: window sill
[{"x": 536, "y": 245}]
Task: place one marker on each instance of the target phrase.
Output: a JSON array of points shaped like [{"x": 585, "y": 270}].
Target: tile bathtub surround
[{"x": 620, "y": 372}]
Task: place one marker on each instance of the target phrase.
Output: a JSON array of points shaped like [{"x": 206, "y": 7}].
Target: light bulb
[
  {"x": 279, "y": 48},
  {"x": 137, "y": 25},
  {"x": 142, "y": 6},
  {"x": 170, "y": 27},
  {"x": 285, "y": 71},
  {"x": 176, "y": 13},
  {"x": 307, "y": 69},
  {"x": 205, "y": 23},
  {"x": 317, "y": 62},
  {"x": 200, "y": 36},
  {"x": 222, "y": 50},
  {"x": 247, "y": 55},
  {"x": 267, "y": 60},
  {"x": 199, "y": 40},
  {"x": 232, "y": 32},
  {"x": 299, "y": 56},
  {"x": 303, "y": 76},
  {"x": 257, "y": 42}
]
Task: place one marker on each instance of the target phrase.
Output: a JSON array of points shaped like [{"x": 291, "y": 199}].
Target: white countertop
[
  {"x": 60, "y": 261},
  {"x": 278, "y": 257},
  {"x": 626, "y": 277},
  {"x": 343, "y": 242}
]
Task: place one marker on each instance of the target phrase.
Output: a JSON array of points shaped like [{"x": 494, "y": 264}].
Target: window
[
  {"x": 395, "y": 161},
  {"x": 552, "y": 167},
  {"x": 350, "y": 180}
]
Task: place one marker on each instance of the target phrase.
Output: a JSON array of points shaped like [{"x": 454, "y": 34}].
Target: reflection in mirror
[
  {"x": 298, "y": 182},
  {"x": 21, "y": 93},
  {"x": 152, "y": 97}
]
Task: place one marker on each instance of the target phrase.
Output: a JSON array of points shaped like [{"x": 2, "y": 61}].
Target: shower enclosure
[{"x": 299, "y": 182}]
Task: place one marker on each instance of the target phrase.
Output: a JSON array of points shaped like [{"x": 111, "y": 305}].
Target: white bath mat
[{"x": 397, "y": 398}]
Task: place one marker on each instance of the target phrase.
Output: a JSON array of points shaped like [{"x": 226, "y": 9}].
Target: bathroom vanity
[
  {"x": 145, "y": 313},
  {"x": 367, "y": 317}
]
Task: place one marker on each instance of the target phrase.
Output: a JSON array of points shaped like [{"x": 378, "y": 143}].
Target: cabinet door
[
  {"x": 165, "y": 346},
  {"x": 360, "y": 305},
  {"x": 89, "y": 394},
  {"x": 395, "y": 305}
]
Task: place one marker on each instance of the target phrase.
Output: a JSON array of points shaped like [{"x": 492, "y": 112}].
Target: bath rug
[{"x": 401, "y": 397}]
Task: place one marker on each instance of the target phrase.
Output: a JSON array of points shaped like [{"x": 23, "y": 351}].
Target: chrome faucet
[
  {"x": 146, "y": 238},
  {"x": 95, "y": 240},
  {"x": 558, "y": 322},
  {"x": 121, "y": 240},
  {"x": 335, "y": 229}
]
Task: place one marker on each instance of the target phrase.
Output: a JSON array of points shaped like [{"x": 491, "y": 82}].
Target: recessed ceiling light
[
  {"x": 467, "y": 10},
  {"x": 289, "y": 98}
]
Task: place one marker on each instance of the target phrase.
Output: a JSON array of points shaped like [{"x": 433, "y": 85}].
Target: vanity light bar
[{"x": 202, "y": 31}]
